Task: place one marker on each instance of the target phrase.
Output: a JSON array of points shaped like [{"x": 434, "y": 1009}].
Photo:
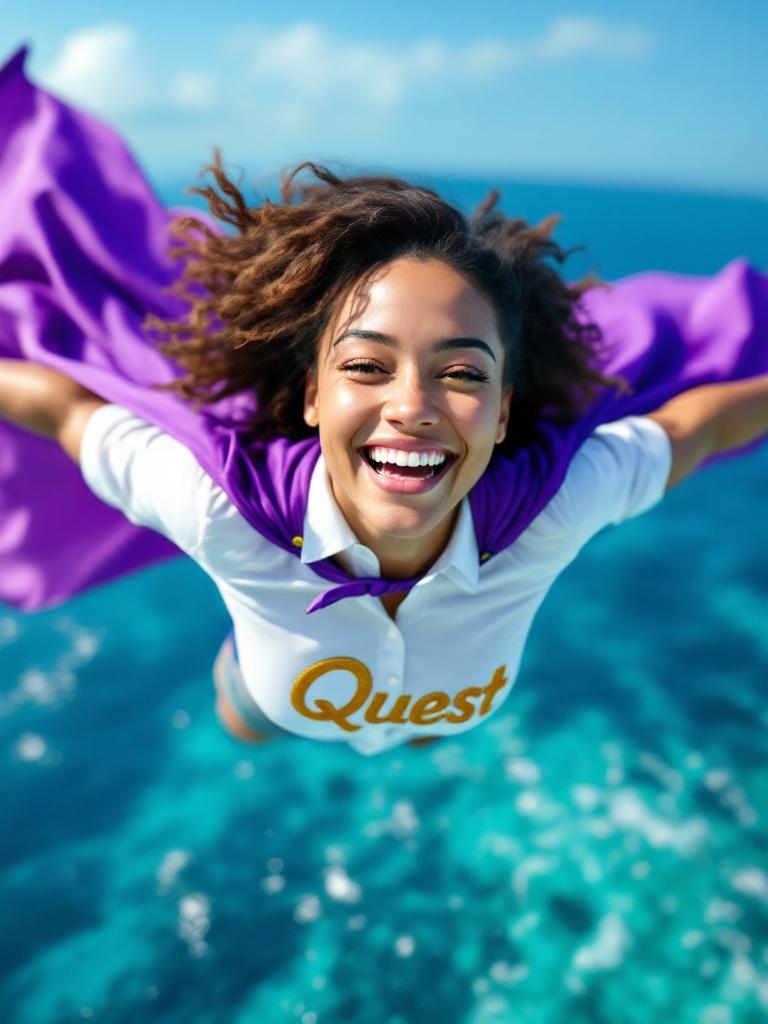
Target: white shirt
[{"x": 349, "y": 672}]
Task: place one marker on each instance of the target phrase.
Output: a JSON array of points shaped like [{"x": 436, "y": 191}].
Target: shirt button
[
  {"x": 392, "y": 680},
  {"x": 393, "y": 632}
]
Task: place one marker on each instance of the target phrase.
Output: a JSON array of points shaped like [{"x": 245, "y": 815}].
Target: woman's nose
[{"x": 410, "y": 400}]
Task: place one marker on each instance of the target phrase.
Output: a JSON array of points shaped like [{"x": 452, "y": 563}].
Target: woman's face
[{"x": 411, "y": 363}]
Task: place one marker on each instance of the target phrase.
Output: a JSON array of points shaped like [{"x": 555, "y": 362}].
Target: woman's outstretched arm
[
  {"x": 711, "y": 419},
  {"x": 46, "y": 402}
]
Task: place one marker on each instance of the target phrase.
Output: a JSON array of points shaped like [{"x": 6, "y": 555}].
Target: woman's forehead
[{"x": 414, "y": 300}]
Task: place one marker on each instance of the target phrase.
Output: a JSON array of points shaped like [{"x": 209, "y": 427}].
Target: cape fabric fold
[{"x": 83, "y": 243}]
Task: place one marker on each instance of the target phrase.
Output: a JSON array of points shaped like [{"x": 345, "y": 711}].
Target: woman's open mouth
[{"x": 409, "y": 479}]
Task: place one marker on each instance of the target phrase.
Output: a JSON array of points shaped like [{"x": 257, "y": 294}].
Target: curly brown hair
[{"x": 259, "y": 297}]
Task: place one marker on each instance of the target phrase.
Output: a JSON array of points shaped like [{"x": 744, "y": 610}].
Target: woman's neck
[{"x": 401, "y": 558}]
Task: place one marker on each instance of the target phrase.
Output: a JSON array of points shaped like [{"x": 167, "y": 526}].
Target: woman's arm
[
  {"x": 46, "y": 402},
  {"x": 711, "y": 419}
]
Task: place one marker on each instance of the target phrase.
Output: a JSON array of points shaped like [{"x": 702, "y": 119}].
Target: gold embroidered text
[{"x": 432, "y": 707}]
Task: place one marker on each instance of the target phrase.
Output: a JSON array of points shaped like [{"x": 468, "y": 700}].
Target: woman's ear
[
  {"x": 506, "y": 401},
  {"x": 310, "y": 398}
]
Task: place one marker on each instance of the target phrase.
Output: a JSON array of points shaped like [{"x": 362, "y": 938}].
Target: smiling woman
[
  {"x": 385, "y": 395},
  {"x": 358, "y": 386},
  {"x": 373, "y": 312}
]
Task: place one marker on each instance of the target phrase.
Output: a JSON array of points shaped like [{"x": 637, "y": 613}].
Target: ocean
[{"x": 596, "y": 852}]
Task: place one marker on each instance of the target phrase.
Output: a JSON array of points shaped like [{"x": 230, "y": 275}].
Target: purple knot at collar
[{"x": 358, "y": 587}]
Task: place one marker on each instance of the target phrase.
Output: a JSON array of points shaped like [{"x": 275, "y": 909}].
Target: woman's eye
[
  {"x": 473, "y": 375},
  {"x": 362, "y": 367}
]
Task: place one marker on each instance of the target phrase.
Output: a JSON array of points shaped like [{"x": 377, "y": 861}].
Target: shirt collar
[{"x": 327, "y": 533}]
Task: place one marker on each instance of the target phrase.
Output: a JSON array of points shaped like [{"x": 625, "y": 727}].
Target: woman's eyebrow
[{"x": 392, "y": 342}]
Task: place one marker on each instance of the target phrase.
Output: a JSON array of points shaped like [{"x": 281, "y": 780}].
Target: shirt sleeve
[
  {"x": 151, "y": 477},
  {"x": 621, "y": 470}
]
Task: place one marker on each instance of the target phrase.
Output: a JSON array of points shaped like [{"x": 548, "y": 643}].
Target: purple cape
[{"x": 82, "y": 260}]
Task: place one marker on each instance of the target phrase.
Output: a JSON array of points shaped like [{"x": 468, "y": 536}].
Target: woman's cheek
[{"x": 477, "y": 427}]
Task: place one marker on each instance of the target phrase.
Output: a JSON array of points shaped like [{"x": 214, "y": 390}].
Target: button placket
[{"x": 392, "y": 667}]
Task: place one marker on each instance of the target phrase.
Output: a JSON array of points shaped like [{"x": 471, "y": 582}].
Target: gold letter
[
  {"x": 395, "y": 715},
  {"x": 421, "y": 709},
  {"x": 462, "y": 703},
  {"x": 499, "y": 680},
  {"x": 326, "y": 711}
]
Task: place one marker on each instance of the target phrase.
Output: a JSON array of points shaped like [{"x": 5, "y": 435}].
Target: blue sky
[{"x": 652, "y": 94}]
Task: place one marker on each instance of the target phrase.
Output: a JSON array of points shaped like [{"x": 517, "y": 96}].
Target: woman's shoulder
[
  {"x": 156, "y": 481},
  {"x": 619, "y": 471}
]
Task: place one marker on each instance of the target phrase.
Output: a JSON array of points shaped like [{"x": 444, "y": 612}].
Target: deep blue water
[{"x": 597, "y": 852}]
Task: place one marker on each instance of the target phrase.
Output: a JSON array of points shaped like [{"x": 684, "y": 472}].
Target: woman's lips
[{"x": 392, "y": 480}]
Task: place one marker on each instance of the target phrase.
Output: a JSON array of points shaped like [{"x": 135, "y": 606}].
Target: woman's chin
[
  {"x": 395, "y": 522},
  {"x": 391, "y": 516}
]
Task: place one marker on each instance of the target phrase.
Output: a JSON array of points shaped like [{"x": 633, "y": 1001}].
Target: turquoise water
[{"x": 597, "y": 852}]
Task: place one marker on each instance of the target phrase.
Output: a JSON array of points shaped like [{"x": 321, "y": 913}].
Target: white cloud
[
  {"x": 563, "y": 39},
  {"x": 567, "y": 37},
  {"x": 309, "y": 59},
  {"x": 102, "y": 66},
  {"x": 312, "y": 62},
  {"x": 193, "y": 90},
  {"x": 98, "y": 67}
]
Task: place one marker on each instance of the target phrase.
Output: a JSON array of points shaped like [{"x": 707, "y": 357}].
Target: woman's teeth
[
  {"x": 401, "y": 458},
  {"x": 381, "y": 457}
]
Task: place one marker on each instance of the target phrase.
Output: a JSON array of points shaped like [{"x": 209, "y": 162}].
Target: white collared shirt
[{"x": 348, "y": 672}]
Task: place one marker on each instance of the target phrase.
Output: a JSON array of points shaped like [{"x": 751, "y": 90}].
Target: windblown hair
[{"x": 260, "y": 296}]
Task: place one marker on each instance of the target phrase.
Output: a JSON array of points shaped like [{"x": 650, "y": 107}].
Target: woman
[{"x": 394, "y": 399}]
